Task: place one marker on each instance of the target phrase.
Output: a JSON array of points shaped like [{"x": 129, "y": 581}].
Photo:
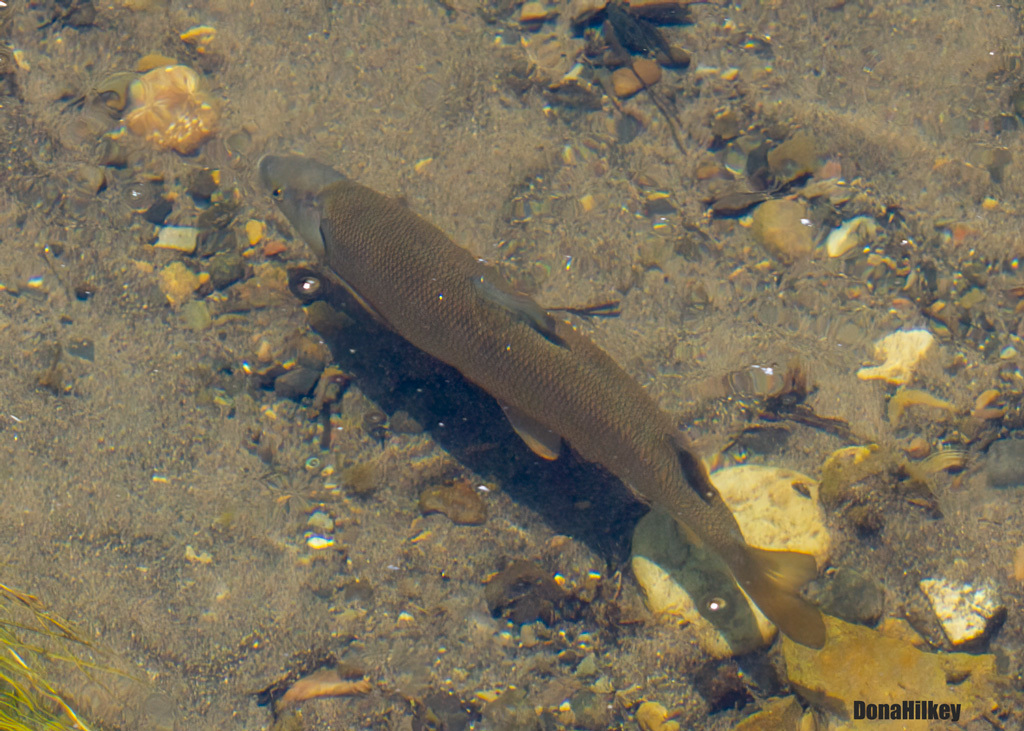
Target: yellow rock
[
  {"x": 168, "y": 107},
  {"x": 199, "y": 36},
  {"x": 901, "y": 352},
  {"x": 652, "y": 717},
  {"x": 254, "y": 231},
  {"x": 860, "y": 664},
  {"x": 675, "y": 574},
  {"x": 178, "y": 283}
]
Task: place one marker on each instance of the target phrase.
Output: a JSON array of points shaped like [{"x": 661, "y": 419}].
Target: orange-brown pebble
[
  {"x": 274, "y": 247},
  {"x": 168, "y": 108},
  {"x": 153, "y": 61},
  {"x": 918, "y": 448},
  {"x": 625, "y": 83},
  {"x": 647, "y": 70}
]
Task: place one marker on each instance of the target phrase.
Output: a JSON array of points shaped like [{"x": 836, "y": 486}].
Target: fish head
[{"x": 296, "y": 183}]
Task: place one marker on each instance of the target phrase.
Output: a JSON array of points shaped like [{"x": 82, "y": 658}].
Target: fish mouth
[{"x": 295, "y": 183}]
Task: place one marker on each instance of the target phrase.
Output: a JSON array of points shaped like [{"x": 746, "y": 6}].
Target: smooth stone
[
  {"x": 782, "y": 228},
  {"x": 625, "y": 83},
  {"x": 177, "y": 238},
  {"x": 853, "y": 597},
  {"x": 682, "y": 580},
  {"x": 1004, "y": 463}
]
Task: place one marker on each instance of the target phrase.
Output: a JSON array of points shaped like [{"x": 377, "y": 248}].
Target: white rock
[
  {"x": 178, "y": 238},
  {"x": 967, "y": 612},
  {"x": 851, "y": 234},
  {"x": 683, "y": 580},
  {"x": 901, "y": 352}
]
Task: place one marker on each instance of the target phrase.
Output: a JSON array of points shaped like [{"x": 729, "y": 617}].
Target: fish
[{"x": 552, "y": 382}]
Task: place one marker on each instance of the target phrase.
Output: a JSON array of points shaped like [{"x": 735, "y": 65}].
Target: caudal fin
[{"x": 773, "y": 579}]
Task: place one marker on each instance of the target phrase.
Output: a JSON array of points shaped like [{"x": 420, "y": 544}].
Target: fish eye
[
  {"x": 716, "y": 604},
  {"x": 277, "y": 193},
  {"x": 308, "y": 286}
]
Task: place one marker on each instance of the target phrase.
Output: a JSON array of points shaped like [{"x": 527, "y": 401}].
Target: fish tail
[{"x": 773, "y": 579}]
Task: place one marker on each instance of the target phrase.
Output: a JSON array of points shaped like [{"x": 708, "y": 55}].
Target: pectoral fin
[
  {"x": 520, "y": 306},
  {"x": 544, "y": 442}
]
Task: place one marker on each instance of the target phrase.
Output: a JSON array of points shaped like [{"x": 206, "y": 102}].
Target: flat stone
[
  {"x": 1004, "y": 463},
  {"x": 177, "y": 238},
  {"x": 861, "y": 664},
  {"x": 683, "y": 580}
]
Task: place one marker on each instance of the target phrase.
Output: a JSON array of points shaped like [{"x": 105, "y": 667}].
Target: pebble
[
  {"x": 794, "y": 158},
  {"x": 321, "y": 521},
  {"x": 511, "y": 711},
  {"x": 534, "y": 13},
  {"x": 178, "y": 282},
  {"x": 523, "y": 593},
  {"x": 625, "y": 83},
  {"x": 677, "y": 576},
  {"x": 782, "y": 228},
  {"x": 177, "y": 238},
  {"x": 967, "y": 612},
  {"x": 254, "y": 231},
  {"x": 580, "y": 11},
  {"x": 900, "y": 352},
  {"x": 647, "y": 70},
  {"x": 652, "y": 716},
  {"x": 196, "y": 315},
  {"x": 460, "y": 502},
  {"x": 1004, "y": 463},
  {"x": 852, "y": 234},
  {"x": 853, "y": 597},
  {"x": 778, "y": 714}
]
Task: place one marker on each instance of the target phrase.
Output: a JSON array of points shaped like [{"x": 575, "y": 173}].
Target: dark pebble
[
  {"x": 721, "y": 685},
  {"x": 460, "y": 502},
  {"x": 853, "y": 597},
  {"x": 1004, "y": 463},
  {"x": 202, "y": 185},
  {"x": 225, "y": 268},
  {"x": 511, "y": 711},
  {"x": 441, "y": 710},
  {"x": 157, "y": 213},
  {"x": 403, "y": 423},
  {"x": 296, "y": 383},
  {"x": 524, "y": 593}
]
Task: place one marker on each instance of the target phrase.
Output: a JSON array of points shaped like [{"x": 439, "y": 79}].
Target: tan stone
[
  {"x": 782, "y": 228},
  {"x": 647, "y": 70},
  {"x": 625, "y": 83}
]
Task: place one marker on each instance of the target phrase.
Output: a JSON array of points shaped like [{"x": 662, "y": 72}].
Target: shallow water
[{"x": 122, "y": 469}]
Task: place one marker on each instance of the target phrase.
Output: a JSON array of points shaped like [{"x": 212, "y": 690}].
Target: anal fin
[{"x": 541, "y": 440}]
